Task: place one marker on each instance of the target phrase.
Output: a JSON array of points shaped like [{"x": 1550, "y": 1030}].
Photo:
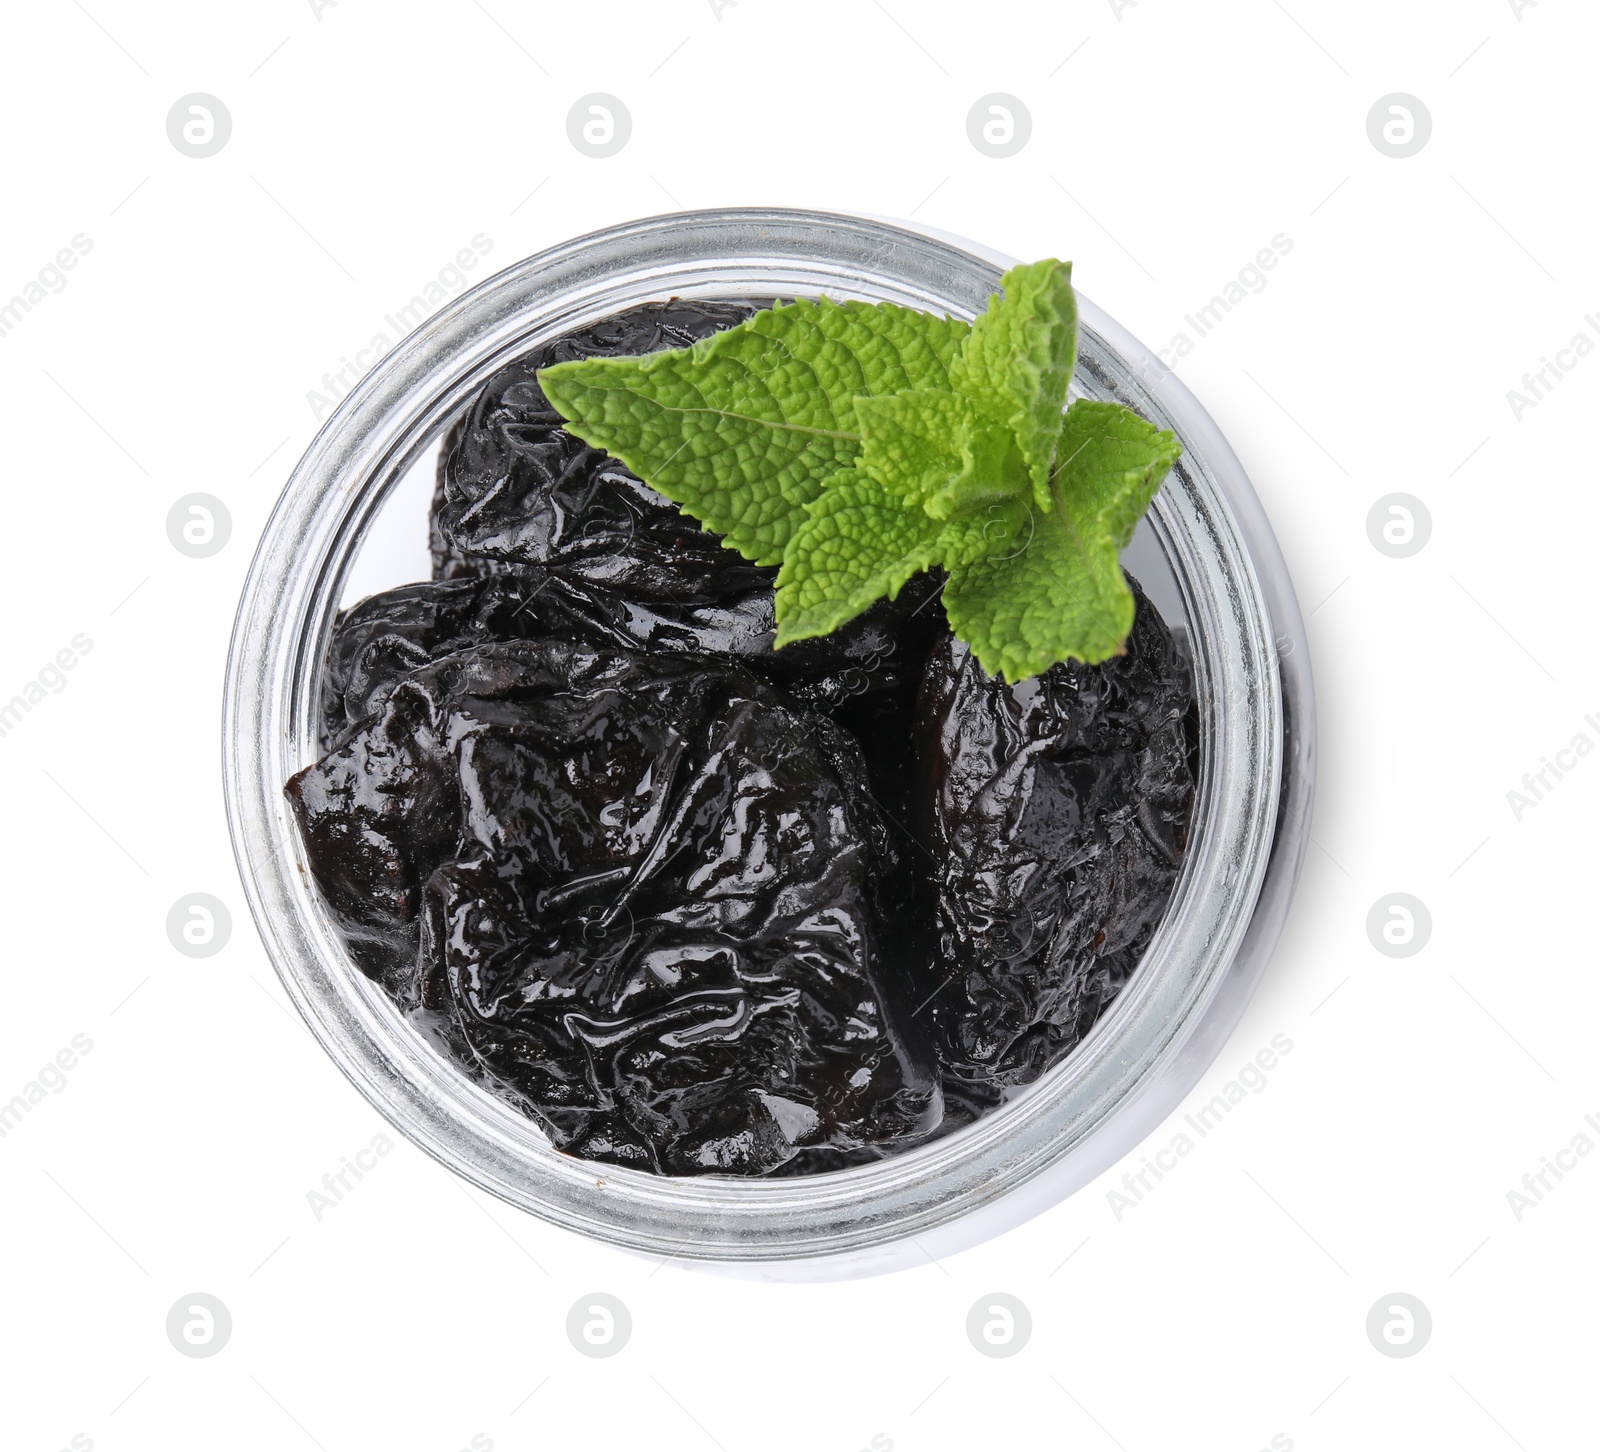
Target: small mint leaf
[
  {"x": 1017, "y": 362},
  {"x": 939, "y": 452},
  {"x": 861, "y": 540},
  {"x": 742, "y": 429},
  {"x": 1063, "y": 594},
  {"x": 993, "y": 472},
  {"x": 1001, "y": 529},
  {"x": 1109, "y": 465},
  {"x": 912, "y": 442}
]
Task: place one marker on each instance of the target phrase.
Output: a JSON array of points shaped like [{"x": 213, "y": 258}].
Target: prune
[
  {"x": 865, "y": 676},
  {"x": 642, "y": 897},
  {"x": 519, "y": 490},
  {"x": 379, "y": 642},
  {"x": 448, "y": 562},
  {"x": 1057, "y": 813}
]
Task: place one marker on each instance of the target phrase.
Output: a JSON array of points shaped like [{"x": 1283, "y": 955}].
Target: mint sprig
[{"x": 855, "y": 445}]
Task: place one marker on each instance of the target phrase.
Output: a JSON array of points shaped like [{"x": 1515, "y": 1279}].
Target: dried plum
[
  {"x": 642, "y": 896},
  {"x": 1057, "y": 813},
  {"x": 519, "y": 490},
  {"x": 865, "y": 676},
  {"x": 379, "y": 642},
  {"x": 450, "y": 563}
]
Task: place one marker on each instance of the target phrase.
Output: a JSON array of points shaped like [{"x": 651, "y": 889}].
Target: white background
[{"x": 1170, "y": 143}]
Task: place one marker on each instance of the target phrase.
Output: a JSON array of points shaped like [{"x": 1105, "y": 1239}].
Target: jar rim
[{"x": 1150, "y": 1046}]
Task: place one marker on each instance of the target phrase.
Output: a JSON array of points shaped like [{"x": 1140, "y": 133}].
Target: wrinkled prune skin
[
  {"x": 379, "y": 642},
  {"x": 448, "y": 562},
  {"x": 642, "y": 898},
  {"x": 519, "y": 490},
  {"x": 1057, "y": 813},
  {"x": 864, "y": 676}
]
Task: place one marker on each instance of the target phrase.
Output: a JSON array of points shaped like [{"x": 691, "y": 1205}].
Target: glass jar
[{"x": 1225, "y": 589}]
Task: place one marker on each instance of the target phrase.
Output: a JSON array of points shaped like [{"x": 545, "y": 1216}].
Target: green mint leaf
[
  {"x": 861, "y": 540},
  {"x": 1001, "y": 529},
  {"x": 742, "y": 429},
  {"x": 935, "y": 482},
  {"x": 939, "y": 452},
  {"x": 1062, "y": 593},
  {"x": 1018, "y": 359},
  {"x": 911, "y": 442}
]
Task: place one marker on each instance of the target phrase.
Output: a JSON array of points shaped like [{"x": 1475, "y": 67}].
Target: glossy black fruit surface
[{"x": 1056, "y": 813}]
